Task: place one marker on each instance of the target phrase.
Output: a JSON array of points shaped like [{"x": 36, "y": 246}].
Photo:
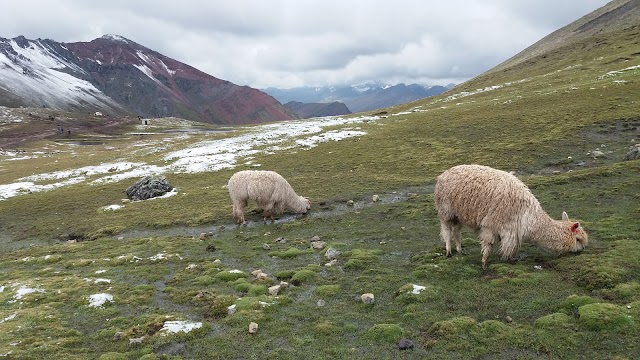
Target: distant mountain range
[
  {"x": 358, "y": 98},
  {"x": 311, "y": 110},
  {"x": 115, "y": 75}
]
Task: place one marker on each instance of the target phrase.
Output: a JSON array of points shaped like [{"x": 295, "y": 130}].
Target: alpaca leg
[
  {"x": 267, "y": 213},
  {"x": 487, "y": 239},
  {"x": 445, "y": 233},
  {"x": 456, "y": 235},
  {"x": 238, "y": 211}
]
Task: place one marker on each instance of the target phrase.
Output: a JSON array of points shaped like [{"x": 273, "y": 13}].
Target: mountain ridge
[{"x": 116, "y": 75}]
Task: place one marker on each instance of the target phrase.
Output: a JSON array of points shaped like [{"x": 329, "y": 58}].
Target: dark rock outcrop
[{"x": 149, "y": 187}]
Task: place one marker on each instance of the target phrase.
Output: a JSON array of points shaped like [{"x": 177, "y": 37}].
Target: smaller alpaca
[
  {"x": 498, "y": 206},
  {"x": 269, "y": 189}
]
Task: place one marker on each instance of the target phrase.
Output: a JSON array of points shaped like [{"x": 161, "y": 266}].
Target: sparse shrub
[
  {"x": 204, "y": 280},
  {"x": 326, "y": 327},
  {"x": 492, "y": 328},
  {"x": 289, "y": 253},
  {"x": 219, "y": 305},
  {"x": 360, "y": 258},
  {"x": 113, "y": 356}
]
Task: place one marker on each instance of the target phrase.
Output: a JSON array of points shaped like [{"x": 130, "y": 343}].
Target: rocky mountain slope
[
  {"x": 357, "y": 98},
  {"x": 115, "y": 75}
]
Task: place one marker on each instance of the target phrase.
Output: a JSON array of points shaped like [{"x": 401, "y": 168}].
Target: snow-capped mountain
[
  {"x": 113, "y": 74},
  {"x": 358, "y": 98}
]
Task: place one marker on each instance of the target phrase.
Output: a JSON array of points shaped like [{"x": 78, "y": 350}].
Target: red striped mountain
[{"x": 116, "y": 75}]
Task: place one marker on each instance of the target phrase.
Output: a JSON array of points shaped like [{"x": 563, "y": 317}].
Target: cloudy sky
[{"x": 291, "y": 43}]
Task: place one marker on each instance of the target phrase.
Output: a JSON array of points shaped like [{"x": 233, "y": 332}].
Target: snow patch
[
  {"x": 97, "y": 300},
  {"x": 173, "y": 327},
  {"x": 417, "y": 289},
  {"x": 24, "y": 290}
]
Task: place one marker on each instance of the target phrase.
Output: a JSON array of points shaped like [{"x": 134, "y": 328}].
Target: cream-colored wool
[
  {"x": 499, "y": 206},
  {"x": 269, "y": 189}
]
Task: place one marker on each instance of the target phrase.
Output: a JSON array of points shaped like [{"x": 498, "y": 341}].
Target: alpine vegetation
[
  {"x": 499, "y": 206},
  {"x": 269, "y": 189}
]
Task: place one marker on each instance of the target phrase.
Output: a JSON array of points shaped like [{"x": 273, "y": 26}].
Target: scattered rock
[
  {"x": 266, "y": 246},
  {"x": 281, "y": 240},
  {"x": 331, "y": 263},
  {"x": 217, "y": 261},
  {"x": 634, "y": 152},
  {"x": 204, "y": 236},
  {"x": 258, "y": 274},
  {"x": 253, "y": 328},
  {"x": 375, "y": 198},
  {"x": 508, "y": 319},
  {"x": 321, "y": 303},
  {"x": 350, "y": 203},
  {"x": 133, "y": 341},
  {"x": 274, "y": 290},
  {"x": 210, "y": 248},
  {"x": 367, "y": 298},
  {"x": 332, "y": 253},
  {"x": 597, "y": 153},
  {"x": 315, "y": 238},
  {"x": 318, "y": 245},
  {"x": 148, "y": 187},
  {"x": 231, "y": 309},
  {"x": 405, "y": 344},
  {"x": 118, "y": 336}
]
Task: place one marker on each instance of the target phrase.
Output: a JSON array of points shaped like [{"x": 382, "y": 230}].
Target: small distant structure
[{"x": 143, "y": 121}]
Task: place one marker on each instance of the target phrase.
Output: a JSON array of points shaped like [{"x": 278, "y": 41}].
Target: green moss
[
  {"x": 302, "y": 276},
  {"x": 113, "y": 356},
  {"x": 572, "y": 303},
  {"x": 360, "y": 258},
  {"x": 284, "y": 274},
  {"x": 289, "y": 253},
  {"x": 328, "y": 290},
  {"x": 230, "y": 275},
  {"x": 453, "y": 326},
  {"x": 409, "y": 293},
  {"x": 603, "y": 316},
  {"x": 390, "y": 333},
  {"x": 553, "y": 321}
]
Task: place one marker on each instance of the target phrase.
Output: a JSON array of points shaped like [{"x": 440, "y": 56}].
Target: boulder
[{"x": 149, "y": 187}]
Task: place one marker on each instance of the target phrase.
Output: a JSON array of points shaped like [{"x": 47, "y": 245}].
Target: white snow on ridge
[{"x": 35, "y": 74}]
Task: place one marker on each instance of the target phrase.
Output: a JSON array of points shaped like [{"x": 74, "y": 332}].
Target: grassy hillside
[{"x": 544, "y": 119}]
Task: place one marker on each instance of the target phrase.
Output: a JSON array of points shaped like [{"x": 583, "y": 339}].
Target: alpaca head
[
  {"x": 307, "y": 204},
  {"x": 579, "y": 237}
]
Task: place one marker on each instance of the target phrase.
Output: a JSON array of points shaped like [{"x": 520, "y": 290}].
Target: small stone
[
  {"x": 405, "y": 344},
  {"x": 318, "y": 245},
  {"x": 508, "y": 319},
  {"x": 331, "y": 263},
  {"x": 217, "y": 261},
  {"x": 321, "y": 303},
  {"x": 367, "y": 298},
  {"x": 137, "y": 340},
  {"x": 375, "y": 198},
  {"x": 350, "y": 203},
  {"x": 273, "y": 290},
  {"x": 267, "y": 234},
  {"x": 120, "y": 238},
  {"x": 258, "y": 274},
  {"x": 597, "y": 154},
  {"x": 231, "y": 309},
  {"x": 204, "y": 236},
  {"x": 628, "y": 306},
  {"x": 284, "y": 284},
  {"x": 125, "y": 201},
  {"x": 118, "y": 336},
  {"x": 315, "y": 238},
  {"x": 253, "y": 328},
  {"x": 210, "y": 248},
  {"x": 266, "y": 246},
  {"x": 281, "y": 240},
  {"x": 332, "y": 253}
]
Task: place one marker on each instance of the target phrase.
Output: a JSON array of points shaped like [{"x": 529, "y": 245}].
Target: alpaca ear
[
  {"x": 575, "y": 226},
  {"x": 565, "y": 216}
]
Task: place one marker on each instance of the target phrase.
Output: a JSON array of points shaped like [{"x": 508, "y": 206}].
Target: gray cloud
[{"x": 288, "y": 43}]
